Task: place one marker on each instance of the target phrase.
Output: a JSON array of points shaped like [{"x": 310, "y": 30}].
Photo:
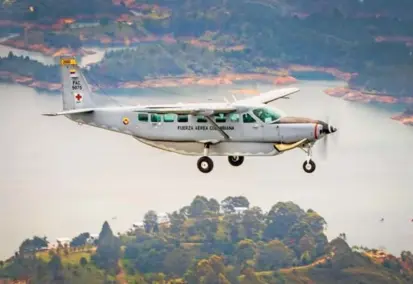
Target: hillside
[
  {"x": 210, "y": 242},
  {"x": 371, "y": 39}
]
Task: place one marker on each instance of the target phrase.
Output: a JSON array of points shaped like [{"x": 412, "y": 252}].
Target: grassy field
[{"x": 72, "y": 258}]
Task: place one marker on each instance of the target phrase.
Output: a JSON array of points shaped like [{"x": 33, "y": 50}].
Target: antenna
[
  {"x": 225, "y": 99},
  {"x": 235, "y": 98}
]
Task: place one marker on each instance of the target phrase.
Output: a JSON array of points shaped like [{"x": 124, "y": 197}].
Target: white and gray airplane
[{"x": 247, "y": 127}]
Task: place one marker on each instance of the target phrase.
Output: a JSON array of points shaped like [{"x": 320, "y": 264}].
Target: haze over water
[{"x": 59, "y": 179}]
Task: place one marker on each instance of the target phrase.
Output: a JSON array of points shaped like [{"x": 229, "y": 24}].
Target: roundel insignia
[{"x": 125, "y": 120}]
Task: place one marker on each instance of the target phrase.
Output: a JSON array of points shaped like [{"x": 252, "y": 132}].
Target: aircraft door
[
  {"x": 156, "y": 124},
  {"x": 253, "y": 129}
]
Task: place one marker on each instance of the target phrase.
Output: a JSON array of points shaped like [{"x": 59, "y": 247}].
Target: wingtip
[{"x": 49, "y": 114}]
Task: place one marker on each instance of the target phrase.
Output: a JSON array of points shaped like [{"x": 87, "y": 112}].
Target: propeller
[{"x": 327, "y": 130}]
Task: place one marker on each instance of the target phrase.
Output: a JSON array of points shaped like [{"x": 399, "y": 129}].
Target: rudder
[{"x": 76, "y": 90}]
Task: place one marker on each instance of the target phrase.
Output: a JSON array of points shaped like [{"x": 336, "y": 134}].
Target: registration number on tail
[{"x": 68, "y": 61}]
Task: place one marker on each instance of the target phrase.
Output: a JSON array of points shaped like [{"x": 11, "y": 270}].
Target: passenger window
[
  {"x": 143, "y": 117},
  {"x": 169, "y": 117},
  {"x": 182, "y": 118},
  {"x": 156, "y": 117},
  {"x": 201, "y": 119},
  {"x": 220, "y": 118},
  {"x": 247, "y": 118},
  {"x": 234, "y": 117}
]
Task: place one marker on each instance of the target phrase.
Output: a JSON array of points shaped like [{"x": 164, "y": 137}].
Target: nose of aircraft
[{"x": 328, "y": 128}]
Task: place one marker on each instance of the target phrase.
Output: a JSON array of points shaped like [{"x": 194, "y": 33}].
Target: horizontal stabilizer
[{"x": 72, "y": 111}]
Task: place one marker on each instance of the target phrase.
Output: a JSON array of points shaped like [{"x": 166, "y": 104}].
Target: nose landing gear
[{"x": 308, "y": 165}]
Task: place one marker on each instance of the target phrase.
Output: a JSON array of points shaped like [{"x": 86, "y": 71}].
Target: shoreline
[{"x": 275, "y": 77}]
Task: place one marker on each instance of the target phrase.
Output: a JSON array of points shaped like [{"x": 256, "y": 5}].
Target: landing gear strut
[
  {"x": 205, "y": 164},
  {"x": 308, "y": 165},
  {"x": 236, "y": 160}
]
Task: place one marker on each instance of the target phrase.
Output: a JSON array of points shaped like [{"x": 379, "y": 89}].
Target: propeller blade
[{"x": 323, "y": 148}]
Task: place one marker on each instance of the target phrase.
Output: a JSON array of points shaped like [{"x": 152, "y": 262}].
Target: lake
[{"x": 60, "y": 179}]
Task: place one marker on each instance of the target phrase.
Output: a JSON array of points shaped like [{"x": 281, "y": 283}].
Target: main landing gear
[
  {"x": 235, "y": 160},
  {"x": 205, "y": 163},
  {"x": 308, "y": 165}
]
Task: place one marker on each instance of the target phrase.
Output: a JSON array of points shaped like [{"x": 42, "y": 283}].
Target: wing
[
  {"x": 270, "y": 96},
  {"x": 206, "y": 111}
]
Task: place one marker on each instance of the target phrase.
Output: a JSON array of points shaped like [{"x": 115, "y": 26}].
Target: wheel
[
  {"x": 309, "y": 166},
  {"x": 236, "y": 160},
  {"x": 205, "y": 164}
]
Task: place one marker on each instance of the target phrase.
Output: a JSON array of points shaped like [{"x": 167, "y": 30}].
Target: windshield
[{"x": 266, "y": 115}]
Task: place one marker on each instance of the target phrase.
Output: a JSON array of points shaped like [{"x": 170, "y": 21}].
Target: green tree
[
  {"x": 178, "y": 261},
  {"x": 274, "y": 255},
  {"x": 250, "y": 277},
  {"x": 176, "y": 221},
  {"x": 83, "y": 261},
  {"x": 198, "y": 206},
  {"x": 207, "y": 227},
  {"x": 281, "y": 218},
  {"x": 305, "y": 258},
  {"x": 80, "y": 240},
  {"x": 30, "y": 245},
  {"x": 56, "y": 268},
  {"x": 233, "y": 227},
  {"x": 213, "y": 205},
  {"x": 253, "y": 223},
  {"x": 108, "y": 250},
  {"x": 231, "y": 202},
  {"x": 316, "y": 222},
  {"x": 246, "y": 250}
]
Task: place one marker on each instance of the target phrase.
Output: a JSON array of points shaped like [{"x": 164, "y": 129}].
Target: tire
[
  {"x": 205, "y": 164},
  {"x": 235, "y": 160},
  {"x": 309, "y": 166}
]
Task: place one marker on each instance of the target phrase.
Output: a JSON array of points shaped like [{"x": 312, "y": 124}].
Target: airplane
[{"x": 245, "y": 127}]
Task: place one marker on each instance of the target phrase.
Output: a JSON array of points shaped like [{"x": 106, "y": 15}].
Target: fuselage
[
  {"x": 252, "y": 131},
  {"x": 246, "y": 127}
]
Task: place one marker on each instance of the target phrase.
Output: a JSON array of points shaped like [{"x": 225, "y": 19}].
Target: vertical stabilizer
[{"x": 76, "y": 91}]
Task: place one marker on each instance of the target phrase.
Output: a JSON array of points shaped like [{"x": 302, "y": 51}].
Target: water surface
[{"x": 59, "y": 179}]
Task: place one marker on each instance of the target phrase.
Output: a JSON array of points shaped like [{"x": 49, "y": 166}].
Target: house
[
  {"x": 163, "y": 219},
  {"x": 138, "y": 225},
  {"x": 92, "y": 239},
  {"x": 240, "y": 210},
  {"x": 63, "y": 241},
  {"x": 79, "y": 25}
]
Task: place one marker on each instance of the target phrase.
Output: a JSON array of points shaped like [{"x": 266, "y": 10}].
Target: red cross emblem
[{"x": 78, "y": 97}]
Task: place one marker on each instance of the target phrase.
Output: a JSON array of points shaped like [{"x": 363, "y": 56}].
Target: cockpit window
[{"x": 266, "y": 115}]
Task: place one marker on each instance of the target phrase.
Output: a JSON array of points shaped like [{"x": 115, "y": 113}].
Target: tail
[
  {"x": 77, "y": 96},
  {"x": 76, "y": 90}
]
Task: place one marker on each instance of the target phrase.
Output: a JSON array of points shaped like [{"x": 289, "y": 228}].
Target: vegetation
[
  {"x": 269, "y": 34},
  {"x": 211, "y": 242},
  {"x": 23, "y": 66},
  {"x": 48, "y": 11}
]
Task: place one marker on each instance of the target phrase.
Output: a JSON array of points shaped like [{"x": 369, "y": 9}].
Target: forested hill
[
  {"x": 373, "y": 39},
  {"x": 210, "y": 242}
]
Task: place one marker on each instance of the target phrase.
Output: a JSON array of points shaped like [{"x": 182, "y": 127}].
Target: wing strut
[{"x": 223, "y": 133}]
